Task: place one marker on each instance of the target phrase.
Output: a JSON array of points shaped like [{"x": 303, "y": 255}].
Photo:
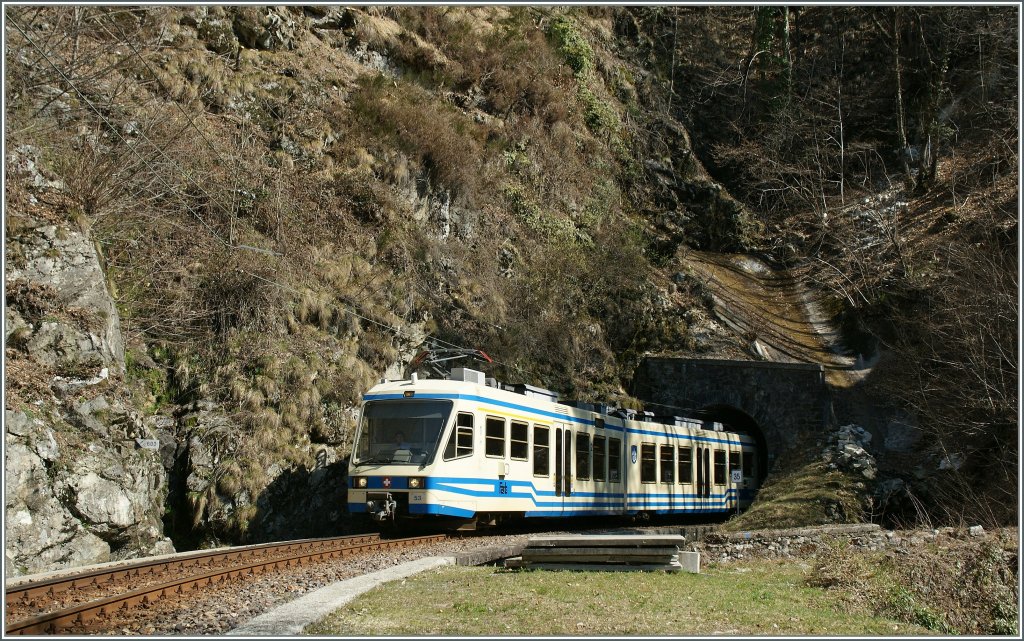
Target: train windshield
[{"x": 401, "y": 432}]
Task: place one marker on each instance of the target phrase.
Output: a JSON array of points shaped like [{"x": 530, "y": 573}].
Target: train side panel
[{"x": 505, "y": 453}]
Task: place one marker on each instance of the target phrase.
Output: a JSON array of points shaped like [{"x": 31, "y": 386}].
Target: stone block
[{"x": 690, "y": 562}]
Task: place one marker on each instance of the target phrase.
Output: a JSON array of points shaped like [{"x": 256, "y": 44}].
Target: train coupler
[{"x": 382, "y": 506}]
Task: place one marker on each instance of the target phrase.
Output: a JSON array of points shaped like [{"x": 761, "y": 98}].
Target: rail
[{"x": 82, "y": 614}]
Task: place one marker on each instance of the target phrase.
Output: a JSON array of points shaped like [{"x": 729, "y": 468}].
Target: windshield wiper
[{"x": 375, "y": 460}]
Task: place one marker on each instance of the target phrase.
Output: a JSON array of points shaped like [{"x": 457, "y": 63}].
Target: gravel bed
[
  {"x": 217, "y": 609},
  {"x": 18, "y": 611}
]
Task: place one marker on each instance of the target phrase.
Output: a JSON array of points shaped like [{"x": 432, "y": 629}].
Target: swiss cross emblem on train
[
  {"x": 386, "y": 482},
  {"x": 632, "y": 454}
]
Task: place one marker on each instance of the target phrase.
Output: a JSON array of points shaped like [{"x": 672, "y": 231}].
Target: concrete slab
[
  {"x": 292, "y": 617},
  {"x": 593, "y": 567},
  {"x": 606, "y": 540},
  {"x": 489, "y": 554}
]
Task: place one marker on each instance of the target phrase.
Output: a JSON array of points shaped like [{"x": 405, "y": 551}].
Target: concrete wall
[{"x": 783, "y": 401}]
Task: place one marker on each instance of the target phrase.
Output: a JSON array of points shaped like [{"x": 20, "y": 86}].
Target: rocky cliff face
[{"x": 79, "y": 490}]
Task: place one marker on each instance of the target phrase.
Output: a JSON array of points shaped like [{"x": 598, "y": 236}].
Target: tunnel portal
[{"x": 778, "y": 404}]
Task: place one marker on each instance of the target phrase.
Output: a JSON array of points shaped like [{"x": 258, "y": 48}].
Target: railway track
[{"x": 87, "y": 601}]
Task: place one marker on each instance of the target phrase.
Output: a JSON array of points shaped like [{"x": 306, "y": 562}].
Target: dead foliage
[{"x": 951, "y": 583}]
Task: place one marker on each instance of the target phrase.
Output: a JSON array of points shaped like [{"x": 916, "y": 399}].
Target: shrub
[
  {"x": 435, "y": 135},
  {"x": 598, "y": 114},
  {"x": 572, "y": 45},
  {"x": 952, "y": 585}
]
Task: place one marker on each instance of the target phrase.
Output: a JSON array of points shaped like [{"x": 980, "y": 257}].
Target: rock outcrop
[
  {"x": 847, "y": 451},
  {"x": 76, "y": 496},
  {"x": 79, "y": 489}
]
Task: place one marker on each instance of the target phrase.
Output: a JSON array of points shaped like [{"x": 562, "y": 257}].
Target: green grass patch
[{"x": 754, "y": 598}]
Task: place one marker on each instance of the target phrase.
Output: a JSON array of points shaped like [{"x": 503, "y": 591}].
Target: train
[{"x": 469, "y": 451}]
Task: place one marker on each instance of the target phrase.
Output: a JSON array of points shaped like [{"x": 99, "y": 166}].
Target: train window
[
  {"x": 600, "y": 448},
  {"x": 748, "y": 458},
  {"x": 614, "y": 460},
  {"x": 648, "y": 464},
  {"x": 494, "y": 444},
  {"x": 582, "y": 456},
  {"x": 720, "y": 467},
  {"x": 460, "y": 443},
  {"x": 667, "y": 459},
  {"x": 541, "y": 446},
  {"x": 519, "y": 443},
  {"x": 734, "y": 461},
  {"x": 685, "y": 464}
]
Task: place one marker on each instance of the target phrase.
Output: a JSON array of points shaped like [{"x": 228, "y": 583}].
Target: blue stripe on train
[
  {"x": 555, "y": 415},
  {"x": 377, "y": 483},
  {"x": 434, "y": 509},
  {"x": 430, "y": 509},
  {"x": 572, "y": 505},
  {"x": 448, "y": 484},
  {"x": 491, "y": 488}
]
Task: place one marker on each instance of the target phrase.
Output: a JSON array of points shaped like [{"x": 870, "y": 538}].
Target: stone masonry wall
[{"x": 785, "y": 400}]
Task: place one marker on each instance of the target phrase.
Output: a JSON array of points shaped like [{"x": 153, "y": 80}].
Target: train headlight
[
  {"x": 415, "y": 483},
  {"x": 361, "y": 481}
]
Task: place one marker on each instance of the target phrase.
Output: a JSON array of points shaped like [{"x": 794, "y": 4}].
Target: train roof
[{"x": 473, "y": 383}]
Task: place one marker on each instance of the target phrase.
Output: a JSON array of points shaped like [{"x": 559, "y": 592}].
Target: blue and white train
[{"x": 480, "y": 452}]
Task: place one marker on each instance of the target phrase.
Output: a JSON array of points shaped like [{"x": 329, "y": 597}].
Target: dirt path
[{"x": 776, "y": 312}]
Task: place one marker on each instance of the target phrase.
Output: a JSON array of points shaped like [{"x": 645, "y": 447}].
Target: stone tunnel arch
[
  {"x": 736, "y": 420},
  {"x": 780, "y": 404}
]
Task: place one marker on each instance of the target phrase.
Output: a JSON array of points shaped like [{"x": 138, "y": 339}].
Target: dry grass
[
  {"x": 952, "y": 584},
  {"x": 25, "y": 380}
]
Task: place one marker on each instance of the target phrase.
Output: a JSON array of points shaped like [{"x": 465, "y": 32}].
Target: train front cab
[{"x": 395, "y": 453}]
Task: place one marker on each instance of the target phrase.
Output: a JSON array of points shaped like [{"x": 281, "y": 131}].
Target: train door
[
  {"x": 563, "y": 464},
  {"x": 707, "y": 476},
  {"x": 698, "y": 502},
  {"x": 749, "y": 475},
  {"x": 703, "y": 477}
]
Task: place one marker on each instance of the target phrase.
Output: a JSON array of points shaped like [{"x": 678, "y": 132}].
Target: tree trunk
[
  {"x": 787, "y": 55},
  {"x": 901, "y": 127}
]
